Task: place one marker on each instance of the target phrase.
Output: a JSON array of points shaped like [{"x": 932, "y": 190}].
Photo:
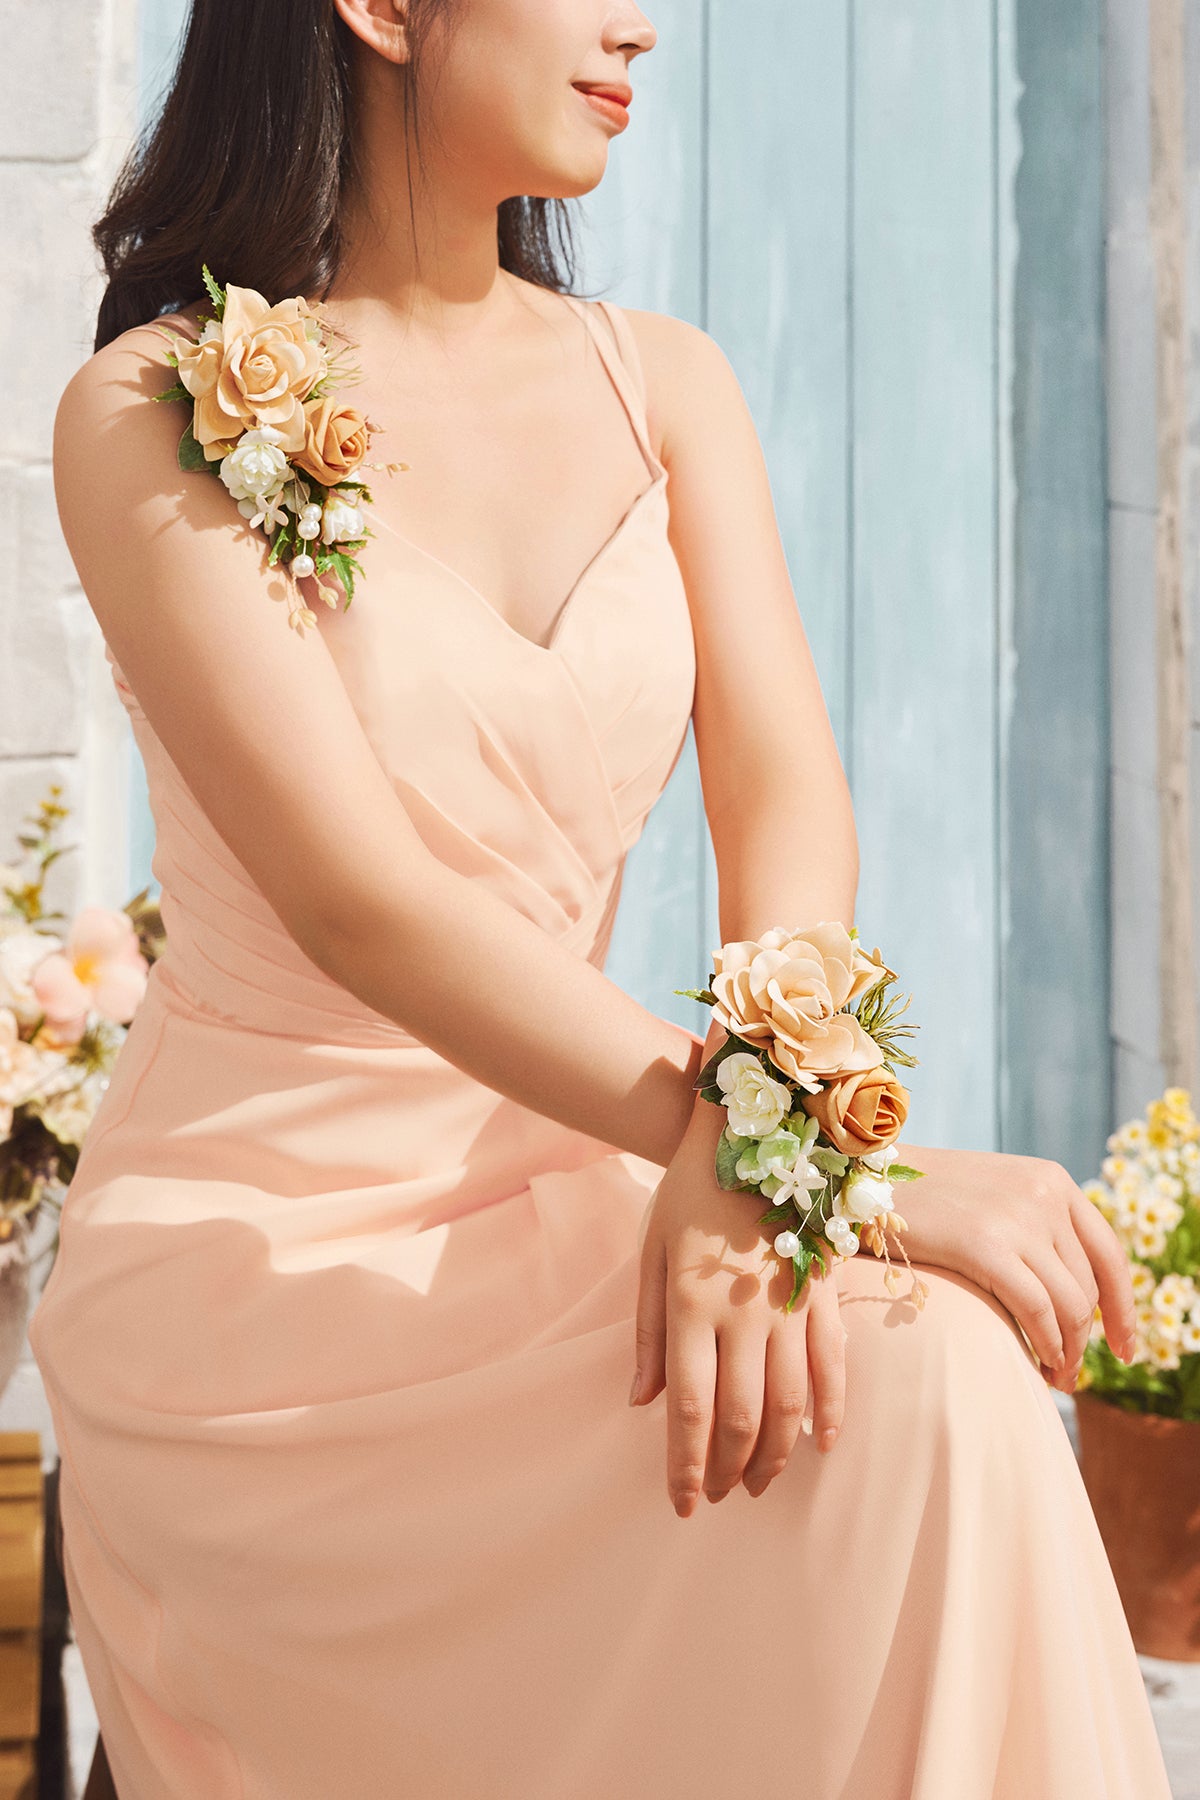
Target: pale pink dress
[{"x": 339, "y": 1341}]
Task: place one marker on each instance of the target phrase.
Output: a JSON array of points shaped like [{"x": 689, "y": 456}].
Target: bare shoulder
[
  {"x": 106, "y": 439},
  {"x": 115, "y": 460},
  {"x": 690, "y": 383},
  {"x": 130, "y": 368}
]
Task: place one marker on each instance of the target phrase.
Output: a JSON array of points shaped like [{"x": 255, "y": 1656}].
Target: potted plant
[
  {"x": 66, "y": 998},
  {"x": 1139, "y": 1423}
]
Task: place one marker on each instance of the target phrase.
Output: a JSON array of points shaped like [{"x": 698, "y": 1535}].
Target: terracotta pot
[
  {"x": 1142, "y": 1474},
  {"x": 14, "y": 1306}
]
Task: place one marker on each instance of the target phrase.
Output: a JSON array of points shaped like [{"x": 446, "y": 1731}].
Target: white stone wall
[
  {"x": 69, "y": 115},
  {"x": 1153, "y": 341}
]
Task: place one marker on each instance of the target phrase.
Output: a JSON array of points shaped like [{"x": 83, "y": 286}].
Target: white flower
[
  {"x": 20, "y": 1068},
  {"x": 212, "y": 329},
  {"x": 341, "y": 522},
  {"x": 21, "y": 950},
  {"x": 793, "y": 1184},
  {"x": 69, "y": 1113},
  {"x": 755, "y": 1102},
  {"x": 863, "y": 1196},
  {"x": 1175, "y": 1293},
  {"x": 256, "y": 468},
  {"x": 882, "y": 1159},
  {"x": 1142, "y": 1281}
]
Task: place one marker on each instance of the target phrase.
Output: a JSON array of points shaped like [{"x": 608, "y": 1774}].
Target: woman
[{"x": 392, "y": 1184}]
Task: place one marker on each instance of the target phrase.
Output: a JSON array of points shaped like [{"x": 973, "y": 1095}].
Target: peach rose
[
  {"x": 255, "y": 367},
  {"x": 860, "y": 1111},
  {"x": 335, "y": 440},
  {"x": 786, "y": 991}
]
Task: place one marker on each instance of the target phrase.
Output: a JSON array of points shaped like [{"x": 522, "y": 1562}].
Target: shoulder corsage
[
  {"x": 812, "y": 1101},
  {"x": 267, "y": 419}
]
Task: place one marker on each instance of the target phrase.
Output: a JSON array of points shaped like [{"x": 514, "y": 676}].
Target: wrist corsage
[
  {"x": 806, "y": 1075},
  {"x": 267, "y": 420}
]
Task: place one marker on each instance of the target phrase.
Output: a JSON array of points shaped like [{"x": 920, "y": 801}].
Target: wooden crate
[{"x": 22, "y": 1550}]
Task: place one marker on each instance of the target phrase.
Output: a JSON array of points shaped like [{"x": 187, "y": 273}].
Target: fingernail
[
  {"x": 635, "y": 1390},
  {"x": 1060, "y": 1361},
  {"x": 827, "y": 1437}
]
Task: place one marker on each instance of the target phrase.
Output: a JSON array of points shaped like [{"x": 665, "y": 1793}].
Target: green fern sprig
[{"x": 878, "y": 1014}]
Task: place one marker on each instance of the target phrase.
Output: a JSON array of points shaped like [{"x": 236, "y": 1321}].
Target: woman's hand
[
  {"x": 1021, "y": 1228},
  {"x": 712, "y": 1330}
]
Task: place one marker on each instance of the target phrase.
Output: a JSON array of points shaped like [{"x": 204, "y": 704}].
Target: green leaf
[
  {"x": 283, "y": 540},
  {"x": 777, "y": 1214},
  {"x": 728, "y": 1152},
  {"x": 802, "y": 1263},
  {"x": 215, "y": 293},
  {"x": 190, "y": 455},
  {"x": 1189, "y": 1386},
  {"x": 902, "y": 1172},
  {"x": 705, "y": 994},
  {"x": 178, "y": 392}
]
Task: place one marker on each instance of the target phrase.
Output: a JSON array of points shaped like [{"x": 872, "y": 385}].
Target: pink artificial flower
[{"x": 100, "y": 968}]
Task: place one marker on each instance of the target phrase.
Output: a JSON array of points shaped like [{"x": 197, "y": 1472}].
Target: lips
[{"x": 622, "y": 96}]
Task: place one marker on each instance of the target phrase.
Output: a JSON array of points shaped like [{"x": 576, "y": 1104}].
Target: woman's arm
[
  {"x": 710, "y": 1328},
  {"x": 783, "y": 830},
  {"x": 775, "y": 792},
  {"x": 260, "y": 726}
]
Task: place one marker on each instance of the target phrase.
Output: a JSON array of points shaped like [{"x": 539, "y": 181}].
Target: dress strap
[{"x": 624, "y": 366}]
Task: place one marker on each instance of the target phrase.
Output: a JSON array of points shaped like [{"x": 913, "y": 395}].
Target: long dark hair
[{"x": 250, "y": 160}]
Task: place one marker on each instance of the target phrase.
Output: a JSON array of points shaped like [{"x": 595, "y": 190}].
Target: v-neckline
[
  {"x": 610, "y": 359},
  {"x": 548, "y": 647}
]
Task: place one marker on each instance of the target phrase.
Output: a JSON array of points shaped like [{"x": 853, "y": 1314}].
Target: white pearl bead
[
  {"x": 848, "y": 1245},
  {"x": 302, "y": 565},
  {"x": 308, "y": 528},
  {"x": 787, "y": 1244}
]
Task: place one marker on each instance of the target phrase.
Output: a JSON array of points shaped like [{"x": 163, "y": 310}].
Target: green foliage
[
  {"x": 1142, "y": 1387},
  {"x": 215, "y": 292},
  {"x": 832, "y": 1162},
  {"x": 879, "y": 1018},
  {"x": 777, "y": 1214},
  {"x": 345, "y": 565},
  {"x": 802, "y": 1262},
  {"x": 190, "y": 454},
  {"x": 37, "y": 839},
  {"x": 729, "y": 1148},
  {"x": 284, "y": 538}
]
